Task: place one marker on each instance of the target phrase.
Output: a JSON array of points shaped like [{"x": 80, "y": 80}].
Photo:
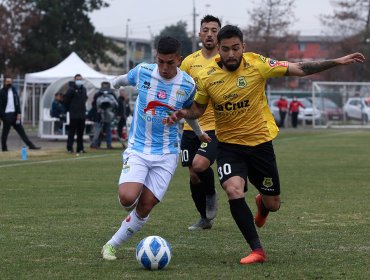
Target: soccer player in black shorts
[
  {"x": 235, "y": 83},
  {"x": 196, "y": 155}
]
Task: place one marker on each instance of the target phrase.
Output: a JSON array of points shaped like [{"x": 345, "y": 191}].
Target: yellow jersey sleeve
[{"x": 268, "y": 67}]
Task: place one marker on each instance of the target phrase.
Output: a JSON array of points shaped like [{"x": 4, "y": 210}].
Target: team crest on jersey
[
  {"x": 203, "y": 145},
  {"x": 180, "y": 95},
  {"x": 125, "y": 168},
  {"x": 267, "y": 182},
  {"x": 162, "y": 94},
  {"x": 241, "y": 82}
]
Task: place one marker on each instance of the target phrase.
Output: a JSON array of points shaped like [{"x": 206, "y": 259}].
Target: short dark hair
[
  {"x": 229, "y": 31},
  {"x": 78, "y": 75},
  {"x": 168, "y": 45},
  {"x": 210, "y": 18}
]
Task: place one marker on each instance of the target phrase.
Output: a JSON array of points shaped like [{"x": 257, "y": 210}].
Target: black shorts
[
  {"x": 191, "y": 145},
  {"x": 257, "y": 163}
]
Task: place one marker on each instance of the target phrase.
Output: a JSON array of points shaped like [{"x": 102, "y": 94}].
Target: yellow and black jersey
[
  {"x": 192, "y": 64},
  {"x": 241, "y": 111}
]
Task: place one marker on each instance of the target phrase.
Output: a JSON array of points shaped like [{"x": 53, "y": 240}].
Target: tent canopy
[{"x": 69, "y": 67}]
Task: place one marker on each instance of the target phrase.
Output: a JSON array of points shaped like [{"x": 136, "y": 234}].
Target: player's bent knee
[{"x": 128, "y": 205}]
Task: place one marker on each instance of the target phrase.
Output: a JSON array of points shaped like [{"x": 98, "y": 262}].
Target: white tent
[{"x": 64, "y": 71}]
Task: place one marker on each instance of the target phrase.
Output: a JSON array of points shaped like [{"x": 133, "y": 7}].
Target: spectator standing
[
  {"x": 10, "y": 114},
  {"x": 282, "y": 104},
  {"x": 105, "y": 105},
  {"x": 294, "y": 110},
  {"x": 75, "y": 102}
]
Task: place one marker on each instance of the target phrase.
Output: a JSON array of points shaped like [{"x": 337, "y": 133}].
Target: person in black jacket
[
  {"x": 75, "y": 102},
  {"x": 58, "y": 110},
  {"x": 10, "y": 114},
  {"x": 122, "y": 113}
]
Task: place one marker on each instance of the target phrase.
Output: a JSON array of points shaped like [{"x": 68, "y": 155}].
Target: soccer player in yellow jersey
[
  {"x": 196, "y": 155},
  {"x": 245, "y": 128}
]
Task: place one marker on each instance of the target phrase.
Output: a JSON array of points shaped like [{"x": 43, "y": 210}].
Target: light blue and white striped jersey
[{"x": 157, "y": 98}]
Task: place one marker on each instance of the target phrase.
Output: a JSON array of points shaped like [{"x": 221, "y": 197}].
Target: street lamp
[
  {"x": 151, "y": 44},
  {"x": 127, "y": 48}
]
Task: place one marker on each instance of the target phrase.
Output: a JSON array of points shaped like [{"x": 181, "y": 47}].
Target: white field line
[{"x": 56, "y": 160}]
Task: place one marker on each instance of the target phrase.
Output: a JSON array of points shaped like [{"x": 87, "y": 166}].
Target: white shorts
[{"x": 154, "y": 171}]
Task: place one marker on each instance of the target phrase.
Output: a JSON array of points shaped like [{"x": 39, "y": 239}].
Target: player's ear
[{"x": 244, "y": 47}]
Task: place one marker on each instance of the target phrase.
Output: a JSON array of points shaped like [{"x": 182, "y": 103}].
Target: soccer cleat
[
  {"x": 108, "y": 252},
  {"x": 260, "y": 218},
  {"x": 211, "y": 206},
  {"x": 257, "y": 256},
  {"x": 203, "y": 223}
]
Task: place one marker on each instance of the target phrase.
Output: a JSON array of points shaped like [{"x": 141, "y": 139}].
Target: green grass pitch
[{"x": 57, "y": 211}]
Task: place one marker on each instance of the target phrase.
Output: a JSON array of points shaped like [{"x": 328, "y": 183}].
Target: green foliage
[
  {"x": 177, "y": 31},
  {"x": 62, "y": 27},
  {"x": 56, "y": 213}
]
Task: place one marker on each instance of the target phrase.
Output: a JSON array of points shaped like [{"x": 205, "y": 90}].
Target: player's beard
[{"x": 232, "y": 65}]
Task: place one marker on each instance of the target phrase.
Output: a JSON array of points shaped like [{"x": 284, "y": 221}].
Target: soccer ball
[{"x": 153, "y": 252}]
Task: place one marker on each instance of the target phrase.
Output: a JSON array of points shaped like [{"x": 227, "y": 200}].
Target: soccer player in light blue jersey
[{"x": 151, "y": 157}]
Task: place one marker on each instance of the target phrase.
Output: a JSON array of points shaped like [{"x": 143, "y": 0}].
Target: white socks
[{"x": 133, "y": 223}]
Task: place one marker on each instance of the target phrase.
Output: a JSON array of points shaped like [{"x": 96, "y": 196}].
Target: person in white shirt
[{"x": 10, "y": 114}]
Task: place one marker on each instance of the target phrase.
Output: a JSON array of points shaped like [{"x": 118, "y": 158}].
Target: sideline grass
[{"x": 56, "y": 215}]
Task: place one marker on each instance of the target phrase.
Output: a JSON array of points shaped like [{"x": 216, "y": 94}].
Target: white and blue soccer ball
[{"x": 154, "y": 252}]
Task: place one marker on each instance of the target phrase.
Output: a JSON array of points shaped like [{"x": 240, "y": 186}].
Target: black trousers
[
  {"x": 120, "y": 125},
  {"x": 10, "y": 120},
  {"x": 294, "y": 119},
  {"x": 76, "y": 127}
]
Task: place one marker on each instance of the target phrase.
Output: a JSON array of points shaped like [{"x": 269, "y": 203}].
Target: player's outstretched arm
[
  {"x": 195, "y": 111},
  {"x": 120, "y": 81},
  {"x": 301, "y": 69}
]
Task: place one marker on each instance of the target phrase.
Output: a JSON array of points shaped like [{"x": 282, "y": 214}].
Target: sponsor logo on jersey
[
  {"x": 230, "y": 106},
  {"x": 262, "y": 58},
  {"x": 267, "y": 182},
  {"x": 161, "y": 94},
  {"x": 272, "y": 62},
  {"x": 146, "y": 85},
  {"x": 211, "y": 71},
  {"x": 241, "y": 82},
  {"x": 196, "y": 66},
  {"x": 216, "y": 83},
  {"x": 230, "y": 96},
  {"x": 157, "y": 112},
  {"x": 146, "y": 67}
]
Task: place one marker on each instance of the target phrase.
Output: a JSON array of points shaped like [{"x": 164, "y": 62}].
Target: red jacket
[
  {"x": 294, "y": 106},
  {"x": 282, "y": 104}
]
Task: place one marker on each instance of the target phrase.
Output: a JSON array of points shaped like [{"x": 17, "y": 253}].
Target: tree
[
  {"x": 177, "y": 31},
  {"x": 62, "y": 27},
  {"x": 350, "y": 22},
  {"x": 16, "y": 19},
  {"x": 268, "y": 33}
]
